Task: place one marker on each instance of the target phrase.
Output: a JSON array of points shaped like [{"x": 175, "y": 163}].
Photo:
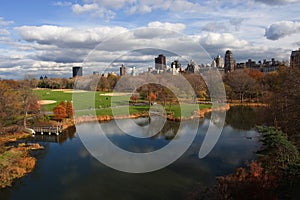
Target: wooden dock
[{"x": 57, "y": 130}]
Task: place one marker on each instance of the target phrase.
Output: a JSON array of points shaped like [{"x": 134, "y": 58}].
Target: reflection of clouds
[
  {"x": 83, "y": 153},
  {"x": 232, "y": 148}
]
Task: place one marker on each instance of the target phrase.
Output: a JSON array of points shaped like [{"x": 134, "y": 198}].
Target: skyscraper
[
  {"x": 219, "y": 62},
  {"x": 229, "y": 63},
  {"x": 160, "y": 62},
  {"x": 77, "y": 71},
  {"x": 295, "y": 59},
  {"x": 122, "y": 70}
]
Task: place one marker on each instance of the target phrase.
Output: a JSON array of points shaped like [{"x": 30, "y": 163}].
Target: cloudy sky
[{"x": 49, "y": 37}]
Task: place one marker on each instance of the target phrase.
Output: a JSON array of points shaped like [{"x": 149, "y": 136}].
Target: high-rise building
[
  {"x": 192, "y": 67},
  {"x": 77, "y": 71},
  {"x": 295, "y": 59},
  {"x": 122, "y": 70},
  {"x": 219, "y": 62},
  {"x": 160, "y": 62},
  {"x": 229, "y": 63}
]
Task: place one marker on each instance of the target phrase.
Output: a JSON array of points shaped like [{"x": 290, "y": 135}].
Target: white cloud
[
  {"x": 178, "y": 27},
  {"x": 282, "y": 29},
  {"x": 80, "y": 9},
  {"x": 67, "y": 37},
  {"x": 94, "y": 10},
  {"x": 4, "y": 32},
  {"x": 222, "y": 40},
  {"x": 62, "y": 3},
  {"x": 277, "y": 2},
  {"x": 4, "y": 22},
  {"x": 134, "y": 6}
]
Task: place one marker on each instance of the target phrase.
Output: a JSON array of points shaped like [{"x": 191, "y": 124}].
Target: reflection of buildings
[
  {"x": 77, "y": 71},
  {"x": 229, "y": 64},
  {"x": 160, "y": 62},
  {"x": 122, "y": 70},
  {"x": 295, "y": 59}
]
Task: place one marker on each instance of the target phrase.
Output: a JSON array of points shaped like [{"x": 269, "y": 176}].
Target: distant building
[
  {"x": 77, "y": 71},
  {"x": 295, "y": 59},
  {"x": 265, "y": 66},
  {"x": 96, "y": 73},
  {"x": 175, "y": 67},
  {"x": 219, "y": 62},
  {"x": 192, "y": 67},
  {"x": 122, "y": 70},
  {"x": 160, "y": 62},
  {"x": 133, "y": 71},
  {"x": 251, "y": 64},
  {"x": 229, "y": 64}
]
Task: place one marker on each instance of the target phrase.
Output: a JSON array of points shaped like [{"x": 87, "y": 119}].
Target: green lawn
[
  {"x": 84, "y": 100},
  {"x": 186, "y": 110},
  {"x": 89, "y": 102}
]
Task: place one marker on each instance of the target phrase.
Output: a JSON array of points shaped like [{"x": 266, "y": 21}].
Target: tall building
[
  {"x": 219, "y": 62},
  {"x": 122, "y": 70},
  {"x": 160, "y": 62},
  {"x": 192, "y": 67},
  {"x": 229, "y": 63},
  {"x": 77, "y": 71},
  {"x": 295, "y": 59}
]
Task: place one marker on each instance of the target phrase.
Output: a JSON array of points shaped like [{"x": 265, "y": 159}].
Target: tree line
[{"x": 280, "y": 90}]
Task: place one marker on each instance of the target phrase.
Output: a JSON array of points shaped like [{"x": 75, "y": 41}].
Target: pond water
[{"x": 66, "y": 171}]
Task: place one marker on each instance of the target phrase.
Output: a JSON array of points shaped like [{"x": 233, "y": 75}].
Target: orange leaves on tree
[
  {"x": 63, "y": 110},
  {"x": 69, "y": 109},
  {"x": 59, "y": 112},
  {"x": 134, "y": 97},
  {"x": 151, "y": 96}
]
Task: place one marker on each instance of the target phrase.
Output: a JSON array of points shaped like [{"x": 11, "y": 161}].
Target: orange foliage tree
[
  {"x": 151, "y": 97},
  {"x": 69, "y": 109},
  {"x": 59, "y": 112},
  {"x": 63, "y": 110}
]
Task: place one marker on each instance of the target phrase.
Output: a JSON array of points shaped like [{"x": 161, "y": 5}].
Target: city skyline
[{"x": 50, "y": 37}]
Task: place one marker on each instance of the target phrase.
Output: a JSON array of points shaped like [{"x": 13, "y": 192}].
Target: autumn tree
[
  {"x": 198, "y": 84},
  {"x": 29, "y": 101},
  {"x": 151, "y": 97},
  {"x": 135, "y": 97},
  {"x": 285, "y": 99},
  {"x": 241, "y": 83},
  {"x": 10, "y": 104},
  {"x": 69, "y": 109},
  {"x": 103, "y": 84},
  {"x": 59, "y": 112}
]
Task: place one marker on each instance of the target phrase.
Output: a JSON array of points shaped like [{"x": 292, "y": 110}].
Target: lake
[{"x": 65, "y": 170}]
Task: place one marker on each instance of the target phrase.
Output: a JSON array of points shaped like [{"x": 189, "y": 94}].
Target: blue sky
[{"x": 48, "y": 37}]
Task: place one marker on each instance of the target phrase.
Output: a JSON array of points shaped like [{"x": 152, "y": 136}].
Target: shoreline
[
  {"x": 196, "y": 115},
  {"x": 28, "y": 161},
  {"x": 15, "y": 161}
]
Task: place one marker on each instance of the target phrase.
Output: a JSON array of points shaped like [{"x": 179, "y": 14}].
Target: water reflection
[{"x": 66, "y": 170}]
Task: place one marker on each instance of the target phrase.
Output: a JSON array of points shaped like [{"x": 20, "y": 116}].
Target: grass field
[
  {"x": 90, "y": 102},
  {"x": 84, "y": 100}
]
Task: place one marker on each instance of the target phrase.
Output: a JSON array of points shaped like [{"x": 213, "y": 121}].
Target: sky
[{"x": 48, "y": 37}]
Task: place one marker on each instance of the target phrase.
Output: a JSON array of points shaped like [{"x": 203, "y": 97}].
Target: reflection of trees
[
  {"x": 241, "y": 117},
  {"x": 171, "y": 128}
]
